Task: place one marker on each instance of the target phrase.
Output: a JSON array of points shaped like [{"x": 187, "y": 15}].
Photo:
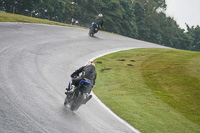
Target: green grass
[
  {"x": 155, "y": 90},
  {"x": 9, "y": 17}
]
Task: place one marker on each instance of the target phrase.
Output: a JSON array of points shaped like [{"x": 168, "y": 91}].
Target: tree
[
  {"x": 113, "y": 15},
  {"x": 129, "y": 27},
  {"x": 141, "y": 19},
  {"x": 143, "y": 33},
  {"x": 147, "y": 19},
  {"x": 194, "y": 32}
]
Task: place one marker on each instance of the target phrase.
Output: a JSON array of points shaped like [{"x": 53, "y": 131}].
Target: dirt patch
[
  {"x": 121, "y": 60},
  {"x": 105, "y": 69},
  {"x": 99, "y": 62},
  {"x": 129, "y": 65}
]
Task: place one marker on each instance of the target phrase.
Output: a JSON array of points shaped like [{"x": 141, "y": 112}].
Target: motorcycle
[
  {"x": 80, "y": 95},
  {"x": 93, "y": 29}
]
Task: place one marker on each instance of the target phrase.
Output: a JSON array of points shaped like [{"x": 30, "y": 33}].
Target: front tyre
[
  {"x": 77, "y": 102},
  {"x": 66, "y": 101},
  {"x": 91, "y": 32}
]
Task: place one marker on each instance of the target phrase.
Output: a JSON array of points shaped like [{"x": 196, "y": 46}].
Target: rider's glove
[{"x": 73, "y": 75}]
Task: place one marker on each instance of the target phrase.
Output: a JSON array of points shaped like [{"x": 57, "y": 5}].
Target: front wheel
[
  {"x": 77, "y": 102},
  {"x": 91, "y": 32},
  {"x": 66, "y": 101}
]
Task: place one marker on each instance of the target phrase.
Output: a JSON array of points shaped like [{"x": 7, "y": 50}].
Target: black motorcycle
[
  {"x": 80, "y": 94},
  {"x": 93, "y": 29}
]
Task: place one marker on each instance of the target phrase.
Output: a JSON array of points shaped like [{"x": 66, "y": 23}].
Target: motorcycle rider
[
  {"x": 99, "y": 20},
  {"x": 87, "y": 73}
]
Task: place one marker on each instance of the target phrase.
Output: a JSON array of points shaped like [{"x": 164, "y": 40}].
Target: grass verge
[
  {"x": 155, "y": 90},
  {"x": 9, "y": 17}
]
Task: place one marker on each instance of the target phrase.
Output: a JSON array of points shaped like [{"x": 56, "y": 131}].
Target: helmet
[
  {"x": 91, "y": 63},
  {"x": 100, "y": 15}
]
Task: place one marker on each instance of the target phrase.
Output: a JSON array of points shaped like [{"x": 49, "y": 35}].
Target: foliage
[
  {"x": 194, "y": 32},
  {"x": 141, "y": 19}
]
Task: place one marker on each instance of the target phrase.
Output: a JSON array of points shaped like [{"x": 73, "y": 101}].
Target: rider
[
  {"x": 87, "y": 72},
  {"x": 99, "y": 20}
]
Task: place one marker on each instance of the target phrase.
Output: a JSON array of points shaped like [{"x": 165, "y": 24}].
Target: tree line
[{"x": 140, "y": 19}]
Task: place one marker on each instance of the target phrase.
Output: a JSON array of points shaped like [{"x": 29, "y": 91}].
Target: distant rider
[{"x": 99, "y": 20}]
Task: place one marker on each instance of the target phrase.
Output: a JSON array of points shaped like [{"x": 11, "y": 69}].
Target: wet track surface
[{"x": 35, "y": 66}]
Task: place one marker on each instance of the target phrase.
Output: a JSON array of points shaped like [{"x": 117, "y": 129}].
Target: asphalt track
[{"x": 35, "y": 65}]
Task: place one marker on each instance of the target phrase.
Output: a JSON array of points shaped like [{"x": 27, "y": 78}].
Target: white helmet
[
  {"x": 91, "y": 63},
  {"x": 100, "y": 15}
]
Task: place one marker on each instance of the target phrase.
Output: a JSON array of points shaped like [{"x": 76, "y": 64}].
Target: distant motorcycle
[
  {"x": 93, "y": 29},
  {"x": 79, "y": 96}
]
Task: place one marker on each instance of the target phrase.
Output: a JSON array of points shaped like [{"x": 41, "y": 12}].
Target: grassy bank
[
  {"x": 155, "y": 90},
  {"x": 9, "y": 17}
]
